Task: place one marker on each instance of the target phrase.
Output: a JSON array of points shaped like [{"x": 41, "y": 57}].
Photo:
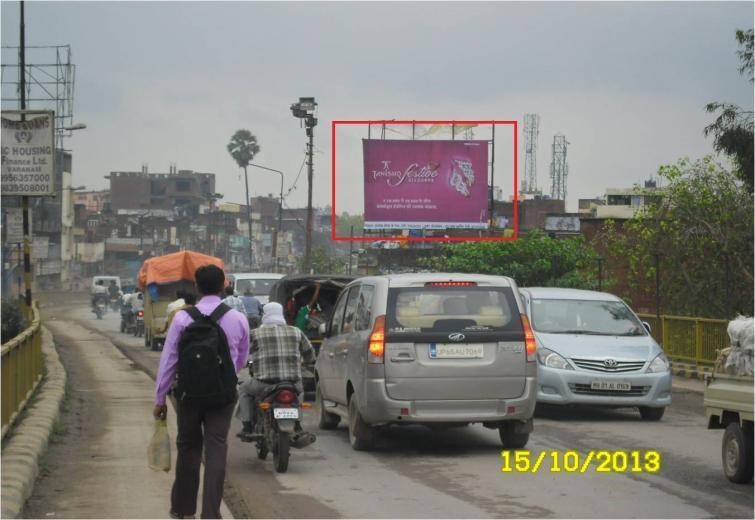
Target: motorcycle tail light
[
  {"x": 285, "y": 397},
  {"x": 140, "y": 314}
]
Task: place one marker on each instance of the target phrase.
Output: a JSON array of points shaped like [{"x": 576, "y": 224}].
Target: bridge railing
[
  {"x": 693, "y": 340},
  {"x": 21, "y": 369}
]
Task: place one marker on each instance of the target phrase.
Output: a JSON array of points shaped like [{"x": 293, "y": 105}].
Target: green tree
[
  {"x": 702, "y": 231},
  {"x": 243, "y": 147},
  {"x": 732, "y": 129},
  {"x": 345, "y": 221},
  {"x": 322, "y": 262},
  {"x": 533, "y": 260}
]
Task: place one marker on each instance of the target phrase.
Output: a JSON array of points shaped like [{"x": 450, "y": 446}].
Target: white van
[{"x": 259, "y": 283}]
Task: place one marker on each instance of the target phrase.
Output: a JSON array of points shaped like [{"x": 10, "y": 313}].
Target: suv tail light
[
  {"x": 285, "y": 397},
  {"x": 376, "y": 349},
  {"x": 450, "y": 284},
  {"x": 530, "y": 345}
]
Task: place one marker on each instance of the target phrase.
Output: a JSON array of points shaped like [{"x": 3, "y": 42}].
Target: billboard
[
  {"x": 28, "y": 153},
  {"x": 425, "y": 184}
]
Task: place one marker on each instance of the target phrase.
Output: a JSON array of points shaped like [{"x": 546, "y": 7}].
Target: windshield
[
  {"x": 609, "y": 318},
  {"x": 258, "y": 286},
  {"x": 438, "y": 309}
]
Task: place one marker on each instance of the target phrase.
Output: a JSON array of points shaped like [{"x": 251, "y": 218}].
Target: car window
[
  {"x": 364, "y": 308},
  {"x": 610, "y": 318},
  {"x": 258, "y": 286},
  {"x": 439, "y": 309},
  {"x": 335, "y": 327},
  {"x": 350, "y": 315}
]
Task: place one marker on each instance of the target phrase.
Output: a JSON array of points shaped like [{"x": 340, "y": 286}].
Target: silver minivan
[{"x": 437, "y": 349}]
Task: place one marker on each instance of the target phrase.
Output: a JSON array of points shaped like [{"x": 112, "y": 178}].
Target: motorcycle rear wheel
[{"x": 281, "y": 451}]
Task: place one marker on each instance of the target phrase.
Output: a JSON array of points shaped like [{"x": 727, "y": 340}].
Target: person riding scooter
[{"x": 277, "y": 353}]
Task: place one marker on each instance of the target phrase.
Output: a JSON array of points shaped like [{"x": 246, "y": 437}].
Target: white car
[{"x": 259, "y": 283}]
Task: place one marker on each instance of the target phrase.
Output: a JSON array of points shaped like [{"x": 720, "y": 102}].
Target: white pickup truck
[{"x": 729, "y": 405}]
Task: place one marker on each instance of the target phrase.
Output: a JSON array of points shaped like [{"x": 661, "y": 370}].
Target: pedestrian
[
  {"x": 277, "y": 351},
  {"x": 233, "y": 301},
  {"x": 204, "y": 405}
]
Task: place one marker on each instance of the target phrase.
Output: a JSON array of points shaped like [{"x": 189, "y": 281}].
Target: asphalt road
[{"x": 415, "y": 472}]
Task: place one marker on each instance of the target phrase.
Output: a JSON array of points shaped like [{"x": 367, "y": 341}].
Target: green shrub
[{"x": 12, "y": 320}]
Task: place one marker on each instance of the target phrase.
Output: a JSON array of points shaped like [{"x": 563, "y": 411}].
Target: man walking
[{"x": 209, "y": 339}]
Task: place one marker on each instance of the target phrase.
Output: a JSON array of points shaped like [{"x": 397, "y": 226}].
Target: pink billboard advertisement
[{"x": 425, "y": 184}]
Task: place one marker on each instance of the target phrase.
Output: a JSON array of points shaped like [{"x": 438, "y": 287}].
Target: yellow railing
[
  {"x": 21, "y": 370},
  {"x": 695, "y": 340}
]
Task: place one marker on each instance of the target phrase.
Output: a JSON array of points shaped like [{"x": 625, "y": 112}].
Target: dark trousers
[{"x": 198, "y": 427}]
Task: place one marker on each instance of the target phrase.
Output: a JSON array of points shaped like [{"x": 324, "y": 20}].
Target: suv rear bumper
[{"x": 377, "y": 408}]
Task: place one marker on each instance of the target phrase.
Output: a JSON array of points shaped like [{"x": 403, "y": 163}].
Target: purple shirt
[{"x": 233, "y": 323}]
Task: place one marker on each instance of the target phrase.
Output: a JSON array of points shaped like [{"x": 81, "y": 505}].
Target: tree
[
  {"x": 324, "y": 263},
  {"x": 345, "y": 221},
  {"x": 243, "y": 147},
  {"x": 702, "y": 231},
  {"x": 732, "y": 130},
  {"x": 535, "y": 259}
]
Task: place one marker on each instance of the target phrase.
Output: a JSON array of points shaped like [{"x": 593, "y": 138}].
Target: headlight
[
  {"x": 550, "y": 359},
  {"x": 659, "y": 364}
]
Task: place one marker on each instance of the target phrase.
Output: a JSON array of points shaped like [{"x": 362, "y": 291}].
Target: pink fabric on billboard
[{"x": 425, "y": 183}]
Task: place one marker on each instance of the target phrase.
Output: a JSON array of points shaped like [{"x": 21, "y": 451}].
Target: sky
[{"x": 170, "y": 82}]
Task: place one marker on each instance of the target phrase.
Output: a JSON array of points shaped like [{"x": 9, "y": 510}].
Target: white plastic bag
[{"x": 158, "y": 451}]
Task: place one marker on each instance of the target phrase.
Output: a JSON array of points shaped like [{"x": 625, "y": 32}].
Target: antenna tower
[
  {"x": 531, "y": 131},
  {"x": 559, "y": 167}
]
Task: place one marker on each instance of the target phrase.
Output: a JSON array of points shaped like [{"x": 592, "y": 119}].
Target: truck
[
  {"x": 728, "y": 401},
  {"x": 159, "y": 278}
]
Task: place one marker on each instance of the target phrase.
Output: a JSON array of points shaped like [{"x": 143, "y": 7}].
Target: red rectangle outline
[{"x": 333, "y": 212}]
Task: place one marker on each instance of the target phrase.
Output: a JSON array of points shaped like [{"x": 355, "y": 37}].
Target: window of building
[{"x": 183, "y": 185}]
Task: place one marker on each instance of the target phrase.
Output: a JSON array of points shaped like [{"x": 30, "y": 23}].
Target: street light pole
[
  {"x": 280, "y": 211},
  {"x": 305, "y": 109},
  {"x": 249, "y": 216}
]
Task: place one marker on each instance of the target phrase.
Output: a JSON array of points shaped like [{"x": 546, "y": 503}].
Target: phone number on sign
[
  {"x": 604, "y": 461},
  {"x": 26, "y": 188}
]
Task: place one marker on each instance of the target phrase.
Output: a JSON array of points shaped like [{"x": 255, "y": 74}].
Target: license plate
[
  {"x": 453, "y": 351},
  {"x": 619, "y": 386},
  {"x": 286, "y": 413}
]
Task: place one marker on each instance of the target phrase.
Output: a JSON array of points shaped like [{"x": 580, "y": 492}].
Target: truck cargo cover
[{"x": 173, "y": 267}]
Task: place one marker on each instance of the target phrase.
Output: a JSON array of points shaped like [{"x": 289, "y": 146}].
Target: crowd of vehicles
[{"x": 446, "y": 350}]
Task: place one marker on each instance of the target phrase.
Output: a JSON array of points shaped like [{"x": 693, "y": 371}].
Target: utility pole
[
  {"x": 305, "y": 109},
  {"x": 249, "y": 216},
  {"x": 351, "y": 247},
  {"x": 25, "y": 198}
]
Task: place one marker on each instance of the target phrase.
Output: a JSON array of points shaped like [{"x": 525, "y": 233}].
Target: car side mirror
[
  {"x": 647, "y": 326},
  {"x": 323, "y": 330}
]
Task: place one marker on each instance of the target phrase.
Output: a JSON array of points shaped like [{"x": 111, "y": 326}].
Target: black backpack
[{"x": 206, "y": 373}]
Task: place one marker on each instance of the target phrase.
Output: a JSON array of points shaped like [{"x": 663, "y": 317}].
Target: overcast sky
[{"x": 163, "y": 82}]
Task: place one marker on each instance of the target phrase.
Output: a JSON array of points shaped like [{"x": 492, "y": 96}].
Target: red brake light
[
  {"x": 530, "y": 345},
  {"x": 376, "y": 349},
  {"x": 450, "y": 284},
  {"x": 140, "y": 313},
  {"x": 285, "y": 397}
]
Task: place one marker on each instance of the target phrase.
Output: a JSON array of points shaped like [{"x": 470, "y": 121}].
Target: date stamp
[{"x": 572, "y": 461}]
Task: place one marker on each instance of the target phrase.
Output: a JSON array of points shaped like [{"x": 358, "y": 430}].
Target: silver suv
[{"x": 436, "y": 349}]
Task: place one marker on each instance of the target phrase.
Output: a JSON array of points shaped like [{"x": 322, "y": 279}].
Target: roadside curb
[
  {"x": 689, "y": 370},
  {"x": 29, "y": 438}
]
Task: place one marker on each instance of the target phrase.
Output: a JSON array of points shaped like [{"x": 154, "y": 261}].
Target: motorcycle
[
  {"x": 99, "y": 308},
  {"x": 115, "y": 303},
  {"x": 139, "y": 323},
  {"x": 277, "y": 425}
]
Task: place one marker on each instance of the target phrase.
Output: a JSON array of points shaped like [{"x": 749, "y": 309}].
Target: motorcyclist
[
  {"x": 113, "y": 290},
  {"x": 277, "y": 352},
  {"x": 99, "y": 293}
]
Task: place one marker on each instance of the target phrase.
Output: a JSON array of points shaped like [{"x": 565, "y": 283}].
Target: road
[{"x": 457, "y": 473}]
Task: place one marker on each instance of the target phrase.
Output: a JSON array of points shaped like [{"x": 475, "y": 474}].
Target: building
[
  {"x": 588, "y": 206},
  {"x": 93, "y": 201},
  {"x": 182, "y": 191},
  {"x": 532, "y": 213},
  {"x": 626, "y": 202}
]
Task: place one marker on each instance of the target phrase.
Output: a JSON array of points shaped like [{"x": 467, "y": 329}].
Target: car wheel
[
  {"x": 510, "y": 439},
  {"x": 361, "y": 434},
  {"x": 328, "y": 421},
  {"x": 736, "y": 454},
  {"x": 651, "y": 414}
]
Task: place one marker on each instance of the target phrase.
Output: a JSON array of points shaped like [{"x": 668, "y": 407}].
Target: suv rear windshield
[
  {"x": 413, "y": 310},
  {"x": 258, "y": 286}
]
